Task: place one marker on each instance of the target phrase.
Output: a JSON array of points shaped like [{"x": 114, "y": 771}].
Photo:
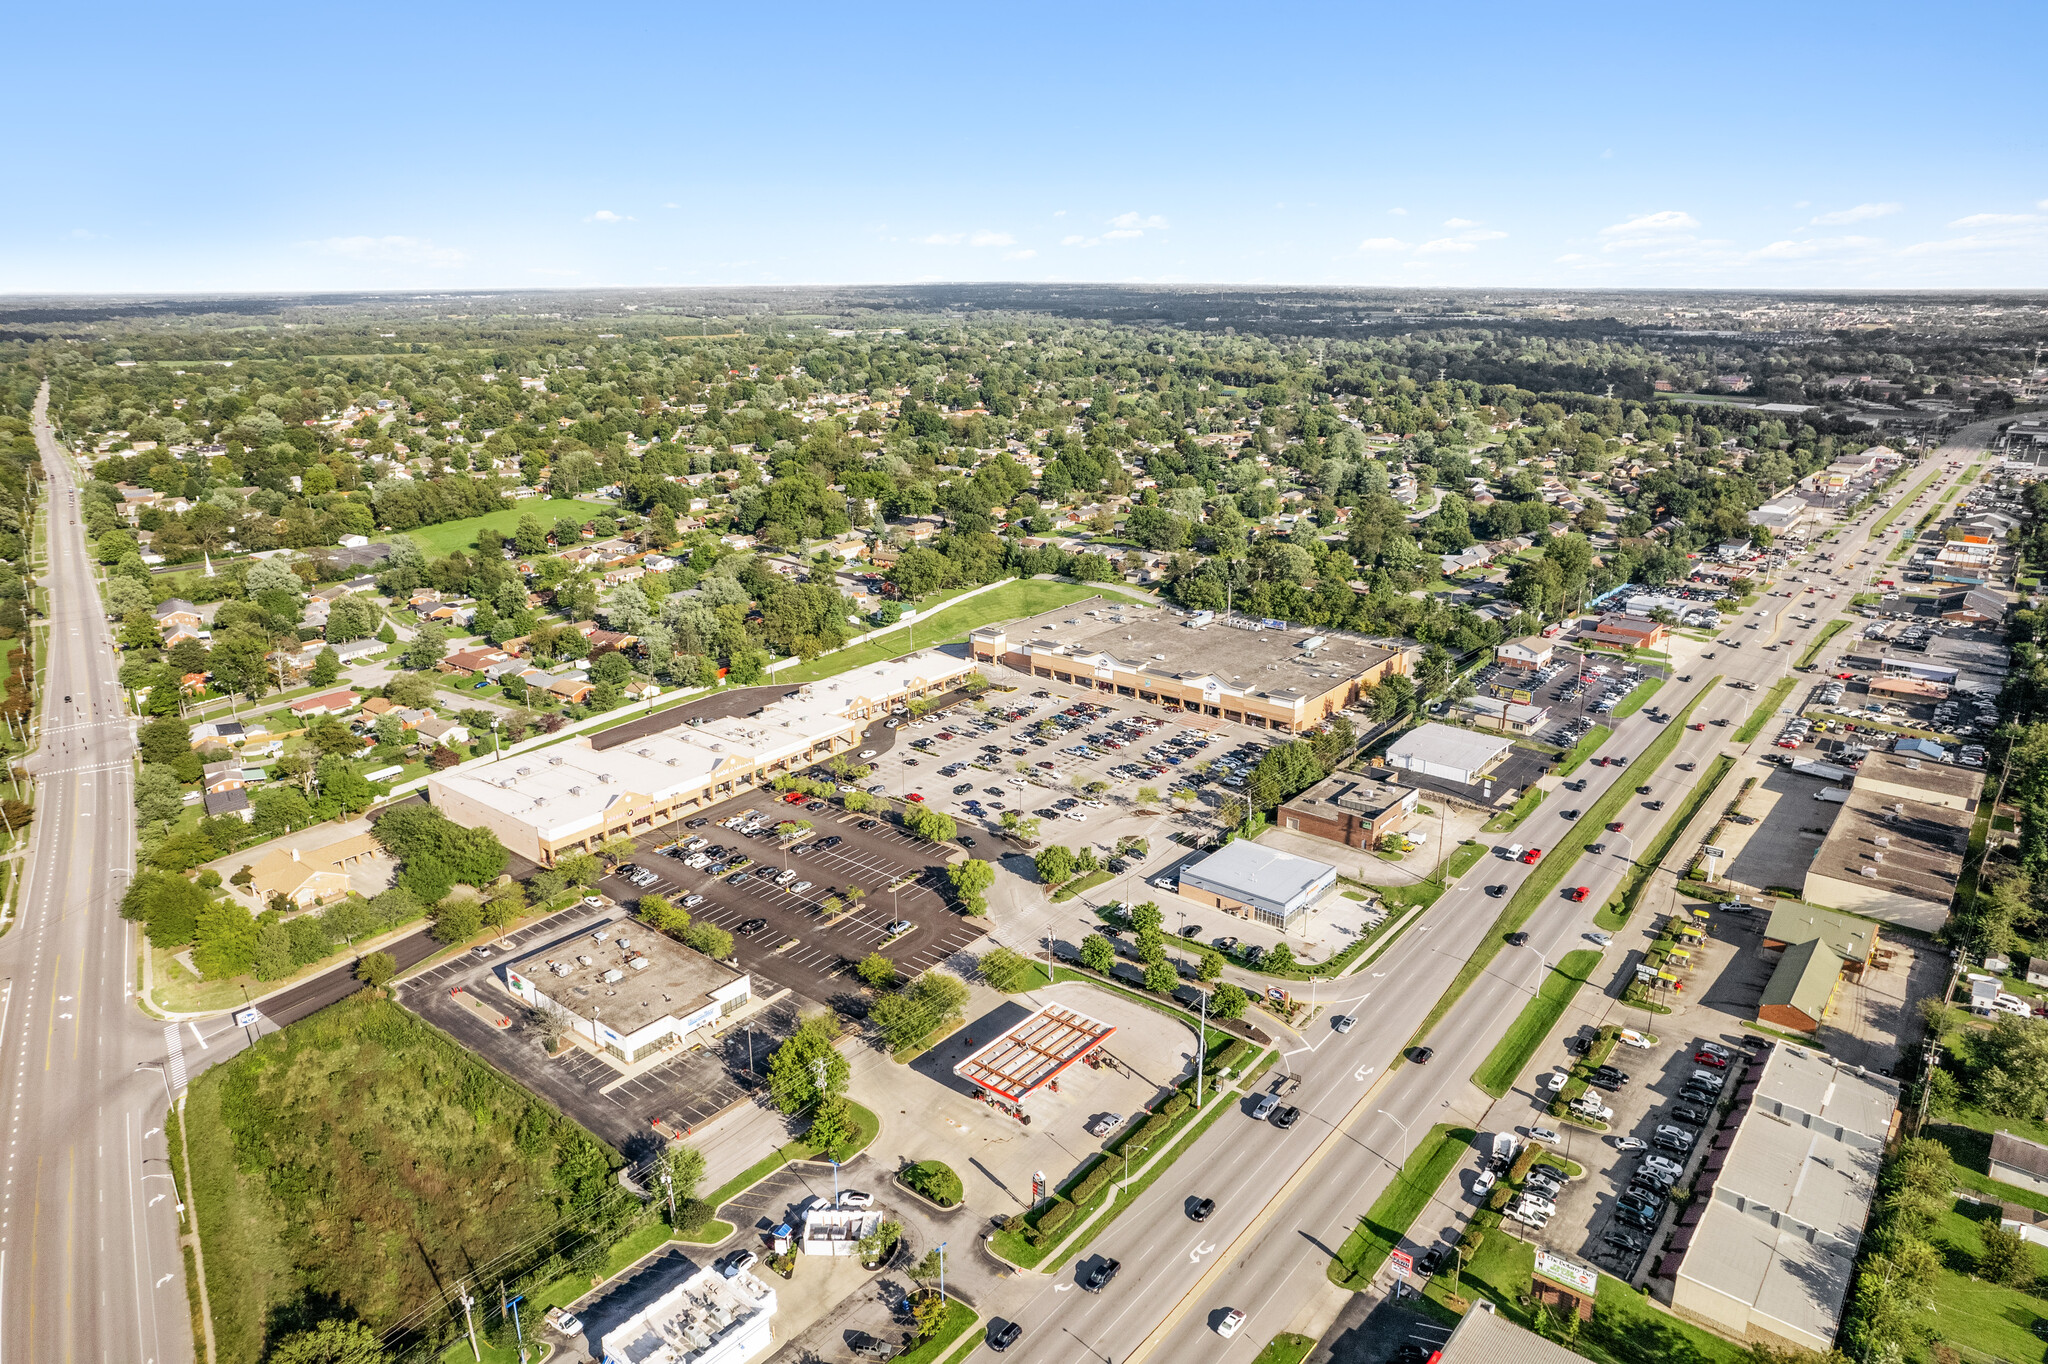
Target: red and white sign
[{"x": 1403, "y": 1263}]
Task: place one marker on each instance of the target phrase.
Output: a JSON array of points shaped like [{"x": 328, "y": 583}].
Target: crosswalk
[{"x": 176, "y": 1060}]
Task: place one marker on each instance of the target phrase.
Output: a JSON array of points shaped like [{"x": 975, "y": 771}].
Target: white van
[
  {"x": 2011, "y": 1004},
  {"x": 1631, "y": 1038}
]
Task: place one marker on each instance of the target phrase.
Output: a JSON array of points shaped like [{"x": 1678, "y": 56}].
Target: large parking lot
[
  {"x": 773, "y": 903},
  {"x": 1035, "y": 753}
]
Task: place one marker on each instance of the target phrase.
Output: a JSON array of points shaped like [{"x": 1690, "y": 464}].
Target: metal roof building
[
  {"x": 1256, "y": 882},
  {"x": 1442, "y": 751},
  {"x": 1033, "y": 1052}
]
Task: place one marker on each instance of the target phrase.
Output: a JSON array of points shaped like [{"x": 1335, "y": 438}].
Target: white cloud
[
  {"x": 1858, "y": 214},
  {"x": 1607, "y": 155},
  {"x": 1131, "y": 220},
  {"x": 671, "y": 205},
  {"x": 1383, "y": 244},
  {"x": 1442, "y": 244},
  {"x": 86, "y": 234},
  {"x": 1815, "y": 246},
  {"x": 1484, "y": 234},
  {"x": 1460, "y": 222},
  {"x": 943, "y": 239},
  {"x": 1026, "y": 254},
  {"x": 1670, "y": 220},
  {"x": 1398, "y": 212},
  {"x": 1059, "y": 213},
  {"x": 605, "y": 215},
  {"x": 391, "y": 251},
  {"x": 1992, "y": 219},
  {"x": 1075, "y": 240},
  {"x": 986, "y": 238},
  {"x": 1122, "y": 234}
]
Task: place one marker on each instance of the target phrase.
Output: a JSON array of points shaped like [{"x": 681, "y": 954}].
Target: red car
[
  {"x": 1707, "y": 1058},
  {"x": 916, "y": 797},
  {"x": 1616, "y": 827},
  {"x": 1599, "y": 762},
  {"x": 1532, "y": 854},
  {"x": 794, "y": 797},
  {"x": 1575, "y": 894}
]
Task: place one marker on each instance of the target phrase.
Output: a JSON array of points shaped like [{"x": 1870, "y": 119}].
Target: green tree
[
  {"x": 876, "y": 970},
  {"x": 1210, "y": 966},
  {"x": 458, "y": 919},
  {"x": 326, "y": 667},
  {"x": 425, "y": 648},
  {"x": 224, "y": 940},
  {"x": 1097, "y": 954},
  {"x": 1008, "y": 970},
  {"x": 709, "y": 939},
  {"x": 928, "y": 824},
  {"x": 971, "y": 879},
  {"x": 159, "y": 796},
  {"x": 806, "y": 1055},
  {"x": 1229, "y": 1001},
  {"x": 376, "y": 969},
  {"x": 1161, "y": 977},
  {"x": 912, "y": 1013},
  {"x": 1280, "y": 958},
  {"x": 2006, "y": 1259},
  {"x": 1055, "y": 864},
  {"x": 331, "y": 1342},
  {"x": 833, "y": 1126}
]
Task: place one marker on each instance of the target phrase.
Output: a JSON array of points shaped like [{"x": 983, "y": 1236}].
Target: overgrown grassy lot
[{"x": 359, "y": 1163}]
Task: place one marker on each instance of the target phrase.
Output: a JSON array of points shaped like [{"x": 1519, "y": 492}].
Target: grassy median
[
  {"x": 1380, "y": 1231},
  {"x": 1766, "y": 706},
  {"x": 1496, "y": 1075},
  {"x": 1591, "y": 828}
]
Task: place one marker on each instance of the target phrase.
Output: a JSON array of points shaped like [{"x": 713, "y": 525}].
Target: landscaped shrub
[
  {"x": 1056, "y": 1215},
  {"x": 936, "y": 1181},
  {"x": 1175, "y": 1105}
]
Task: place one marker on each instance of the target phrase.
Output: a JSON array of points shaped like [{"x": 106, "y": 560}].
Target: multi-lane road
[
  {"x": 90, "y": 1268},
  {"x": 1285, "y": 1200}
]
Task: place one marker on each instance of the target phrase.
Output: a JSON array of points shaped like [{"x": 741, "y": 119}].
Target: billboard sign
[{"x": 1403, "y": 1262}]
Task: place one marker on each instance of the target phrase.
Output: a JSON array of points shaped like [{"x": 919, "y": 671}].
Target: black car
[
  {"x": 831, "y": 842},
  {"x": 868, "y": 824},
  {"x": 1003, "y": 1334},
  {"x": 1421, "y": 1055},
  {"x": 1286, "y": 1117},
  {"x": 1693, "y": 1095},
  {"x": 1695, "y": 1116},
  {"x": 1117, "y": 866},
  {"x": 1097, "y": 1279},
  {"x": 966, "y": 840},
  {"x": 1517, "y": 939},
  {"x": 1496, "y": 891},
  {"x": 1431, "y": 1259},
  {"x": 1614, "y": 1073},
  {"x": 1201, "y": 1209},
  {"x": 963, "y": 788},
  {"x": 1578, "y": 1046},
  {"x": 695, "y": 823},
  {"x": 751, "y": 927}
]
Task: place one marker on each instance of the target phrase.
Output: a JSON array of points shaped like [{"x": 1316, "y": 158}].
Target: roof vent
[
  {"x": 675, "y": 762},
  {"x": 556, "y": 761},
  {"x": 575, "y": 790},
  {"x": 605, "y": 777},
  {"x": 525, "y": 771}
]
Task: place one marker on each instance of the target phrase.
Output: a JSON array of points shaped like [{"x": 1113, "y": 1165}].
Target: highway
[
  {"x": 1286, "y": 1200},
  {"x": 90, "y": 1269}
]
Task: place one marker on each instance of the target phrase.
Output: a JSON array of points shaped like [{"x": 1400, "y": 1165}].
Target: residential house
[
  {"x": 231, "y": 802},
  {"x": 469, "y": 662},
  {"x": 572, "y": 688},
  {"x": 447, "y": 733},
  {"x": 178, "y": 612},
  {"x": 329, "y": 703},
  {"x": 223, "y": 776},
  {"x": 314, "y": 877}
]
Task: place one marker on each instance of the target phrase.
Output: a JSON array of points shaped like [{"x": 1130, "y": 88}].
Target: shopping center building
[
  {"x": 571, "y": 797},
  {"x": 1261, "y": 673}
]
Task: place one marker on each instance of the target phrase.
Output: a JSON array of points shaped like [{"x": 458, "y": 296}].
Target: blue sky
[{"x": 519, "y": 146}]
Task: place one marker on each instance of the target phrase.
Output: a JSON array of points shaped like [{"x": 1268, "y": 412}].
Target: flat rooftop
[
  {"x": 1921, "y": 857},
  {"x": 1157, "y": 640},
  {"x": 1903, "y": 770},
  {"x": 675, "y": 979},
  {"x": 1349, "y": 793},
  {"x": 1033, "y": 1051},
  {"x": 1447, "y": 746},
  {"x": 1787, "y": 1207},
  {"x": 1257, "y": 875}
]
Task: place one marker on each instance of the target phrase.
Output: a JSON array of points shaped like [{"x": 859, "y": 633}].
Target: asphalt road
[
  {"x": 1285, "y": 1200},
  {"x": 89, "y": 1262}
]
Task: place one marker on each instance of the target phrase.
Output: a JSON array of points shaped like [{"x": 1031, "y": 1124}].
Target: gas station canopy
[{"x": 1032, "y": 1052}]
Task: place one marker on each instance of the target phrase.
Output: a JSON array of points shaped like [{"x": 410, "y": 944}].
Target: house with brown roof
[
  {"x": 468, "y": 662},
  {"x": 331, "y": 703},
  {"x": 573, "y": 690},
  {"x": 318, "y": 877},
  {"x": 1628, "y": 632}
]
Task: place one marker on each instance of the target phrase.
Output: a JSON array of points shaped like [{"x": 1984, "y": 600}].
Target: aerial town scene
[{"x": 615, "y": 755}]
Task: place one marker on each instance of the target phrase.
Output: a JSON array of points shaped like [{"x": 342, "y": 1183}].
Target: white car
[
  {"x": 1602, "y": 938},
  {"x": 1630, "y": 1144},
  {"x": 692, "y": 901},
  {"x": 854, "y": 1198},
  {"x": 1543, "y": 1134},
  {"x": 899, "y": 927},
  {"x": 1231, "y": 1321},
  {"x": 867, "y": 753},
  {"x": 1557, "y": 1081},
  {"x": 800, "y": 887}
]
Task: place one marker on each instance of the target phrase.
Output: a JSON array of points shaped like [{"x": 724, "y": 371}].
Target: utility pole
[
  {"x": 668, "y": 1183},
  {"x": 468, "y": 1321},
  {"x": 1201, "y": 1048}
]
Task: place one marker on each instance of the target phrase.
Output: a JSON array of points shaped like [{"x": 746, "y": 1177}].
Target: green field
[
  {"x": 1439, "y": 1152},
  {"x": 351, "y": 1164},
  {"x": 1497, "y": 1073},
  {"x": 948, "y": 626},
  {"x": 450, "y": 536}
]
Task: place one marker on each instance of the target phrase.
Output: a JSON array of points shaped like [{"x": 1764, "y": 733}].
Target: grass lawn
[
  {"x": 947, "y": 626},
  {"x": 1827, "y": 632},
  {"x": 450, "y": 536},
  {"x": 1082, "y": 883},
  {"x": 1615, "y": 913},
  {"x": 1899, "y": 507},
  {"x": 1980, "y": 1317},
  {"x": 1591, "y": 827},
  {"x": 1588, "y": 744},
  {"x": 1523, "y": 808},
  {"x": 331, "y": 1177},
  {"x": 1464, "y": 859},
  {"x": 564, "y": 1291},
  {"x": 1399, "y": 1204},
  {"x": 1497, "y": 1073},
  {"x": 1626, "y": 1327},
  {"x": 1285, "y": 1349},
  {"x": 1633, "y": 702},
  {"x": 1766, "y": 707}
]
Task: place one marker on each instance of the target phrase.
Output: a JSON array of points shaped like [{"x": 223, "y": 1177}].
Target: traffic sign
[{"x": 1403, "y": 1263}]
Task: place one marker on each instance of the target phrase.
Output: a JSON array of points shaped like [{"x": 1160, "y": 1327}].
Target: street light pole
[
  {"x": 164, "y": 1073},
  {"x": 1404, "y": 1132}
]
